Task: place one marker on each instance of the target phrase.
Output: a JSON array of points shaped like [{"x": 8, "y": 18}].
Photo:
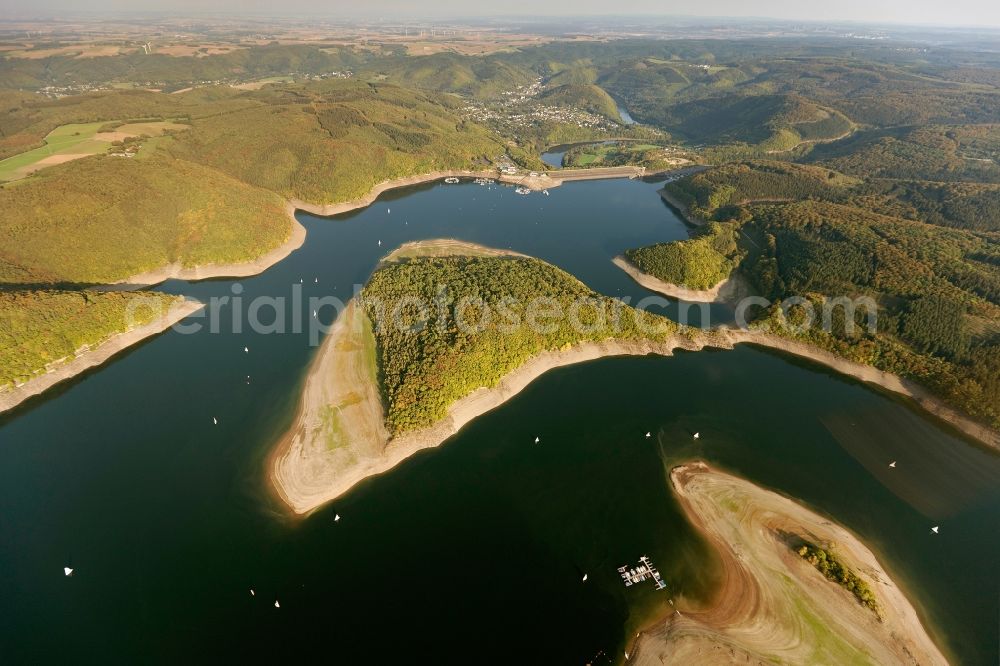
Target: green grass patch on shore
[{"x": 830, "y": 565}]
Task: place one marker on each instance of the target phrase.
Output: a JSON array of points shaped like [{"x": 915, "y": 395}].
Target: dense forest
[
  {"x": 701, "y": 262},
  {"x": 428, "y": 360},
  {"x": 840, "y": 167},
  {"x": 41, "y": 327},
  {"x": 937, "y": 289}
]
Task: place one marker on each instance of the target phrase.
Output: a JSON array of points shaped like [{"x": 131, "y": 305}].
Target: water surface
[{"x": 476, "y": 548}]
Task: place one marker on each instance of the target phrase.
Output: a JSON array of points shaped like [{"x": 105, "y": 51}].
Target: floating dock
[{"x": 641, "y": 572}]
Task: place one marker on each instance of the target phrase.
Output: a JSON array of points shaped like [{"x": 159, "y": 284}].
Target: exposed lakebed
[{"x": 476, "y": 548}]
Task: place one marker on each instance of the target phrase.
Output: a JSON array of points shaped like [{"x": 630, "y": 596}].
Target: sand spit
[
  {"x": 317, "y": 461},
  {"x": 728, "y": 290},
  {"x": 773, "y": 606},
  {"x": 95, "y": 356}
]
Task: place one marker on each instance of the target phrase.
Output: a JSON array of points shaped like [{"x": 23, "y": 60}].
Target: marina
[{"x": 642, "y": 572}]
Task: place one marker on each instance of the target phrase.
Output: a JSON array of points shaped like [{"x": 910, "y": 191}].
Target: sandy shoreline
[
  {"x": 297, "y": 236},
  {"x": 95, "y": 356},
  {"x": 681, "y": 210},
  {"x": 176, "y": 271},
  {"x": 305, "y": 483},
  {"x": 772, "y": 606},
  {"x": 734, "y": 288},
  {"x": 543, "y": 180},
  {"x": 866, "y": 373},
  {"x": 728, "y": 290}
]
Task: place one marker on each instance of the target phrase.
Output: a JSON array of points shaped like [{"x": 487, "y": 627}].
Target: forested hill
[{"x": 811, "y": 232}]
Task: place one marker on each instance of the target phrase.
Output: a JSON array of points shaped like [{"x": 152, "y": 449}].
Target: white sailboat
[
  {"x": 697, "y": 435},
  {"x": 276, "y": 604},
  {"x": 584, "y": 578},
  {"x": 68, "y": 571},
  {"x": 215, "y": 421},
  {"x": 648, "y": 435},
  {"x": 934, "y": 529},
  {"x": 252, "y": 593},
  {"x": 336, "y": 518},
  {"x": 246, "y": 350},
  {"x": 892, "y": 464},
  {"x": 537, "y": 440}
]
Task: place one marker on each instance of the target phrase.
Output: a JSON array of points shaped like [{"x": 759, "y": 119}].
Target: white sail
[{"x": 68, "y": 571}]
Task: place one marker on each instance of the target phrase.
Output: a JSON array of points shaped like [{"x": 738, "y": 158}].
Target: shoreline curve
[
  {"x": 730, "y": 288},
  {"x": 297, "y": 473},
  {"x": 756, "y": 615},
  {"x": 96, "y": 356}
]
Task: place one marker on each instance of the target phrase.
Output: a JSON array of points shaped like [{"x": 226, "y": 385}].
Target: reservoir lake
[{"x": 473, "y": 551}]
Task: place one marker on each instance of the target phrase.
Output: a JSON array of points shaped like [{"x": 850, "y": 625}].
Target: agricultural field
[{"x": 78, "y": 140}]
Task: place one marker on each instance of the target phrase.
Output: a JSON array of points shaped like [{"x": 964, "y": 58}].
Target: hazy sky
[{"x": 937, "y": 12}]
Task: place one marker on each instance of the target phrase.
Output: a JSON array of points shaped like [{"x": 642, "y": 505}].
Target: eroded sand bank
[{"x": 772, "y": 605}]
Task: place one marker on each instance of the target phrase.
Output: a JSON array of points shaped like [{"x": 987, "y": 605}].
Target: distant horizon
[{"x": 961, "y": 14}]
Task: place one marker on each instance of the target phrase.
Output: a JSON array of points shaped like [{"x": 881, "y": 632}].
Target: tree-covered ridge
[
  {"x": 432, "y": 360},
  {"x": 700, "y": 262},
  {"x": 807, "y": 231},
  {"x": 758, "y": 124},
  {"x": 103, "y": 219},
  {"x": 972, "y": 206},
  {"x": 709, "y": 194},
  {"x": 948, "y": 153},
  {"x": 473, "y": 76},
  {"x": 706, "y": 192},
  {"x": 588, "y": 97},
  {"x": 212, "y": 193},
  {"x": 937, "y": 290},
  {"x": 40, "y": 327},
  {"x": 333, "y": 141},
  {"x": 173, "y": 72}
]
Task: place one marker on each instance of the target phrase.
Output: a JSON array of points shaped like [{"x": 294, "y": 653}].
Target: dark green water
[{"x": 479, "y": 545}]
